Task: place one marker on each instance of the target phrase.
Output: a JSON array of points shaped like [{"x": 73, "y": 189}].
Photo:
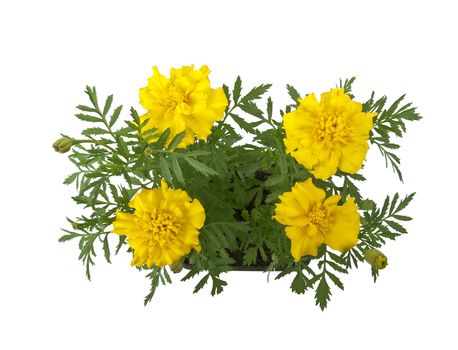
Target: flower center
[
  {"x": 172, "y": 96},
  {"x": 162, "y": 227},
  {"x": 319, "y": 216},
  {"x": 331, "y": 127}
]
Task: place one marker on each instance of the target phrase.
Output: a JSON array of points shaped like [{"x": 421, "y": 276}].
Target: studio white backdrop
[{"x": 51, "y": 49}]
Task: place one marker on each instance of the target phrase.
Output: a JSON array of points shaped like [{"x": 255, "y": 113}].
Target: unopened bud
[
  {"x": 63, "y": 145},
  {"x": 376, "y": 258},
  {"x": 148, "y": 151},
  {"x": 177, "y": 267}
]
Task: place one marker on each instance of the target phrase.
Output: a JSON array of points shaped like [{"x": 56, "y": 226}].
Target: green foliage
[
  {"x": 347, "y": 85},
  {"x": 388, "y": 123},
  {"x": 237, "y": 183},
  {"x": 378, "y": 225},
  {"x": 157, "y": 275}
]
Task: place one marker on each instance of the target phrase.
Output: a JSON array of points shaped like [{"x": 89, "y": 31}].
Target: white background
[{"x": 51, "y": 49}]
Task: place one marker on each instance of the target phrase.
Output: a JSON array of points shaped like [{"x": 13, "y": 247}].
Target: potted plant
[{"x": 180, "y": 186}]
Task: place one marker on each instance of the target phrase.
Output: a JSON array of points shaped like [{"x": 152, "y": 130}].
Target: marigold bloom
[
  {"x": 164, "y": 226},
  {"x": 183, "y": 102},
  {"x": 313, "y": 220},
  {"x": 330, "y": 134}
]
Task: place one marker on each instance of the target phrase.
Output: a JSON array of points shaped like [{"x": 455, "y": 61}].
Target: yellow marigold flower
[
  {"x": 183, "y": 102},
  {"x": 164, "y": 226},
  {"x": 312, "y": 220},
  {"x": 330, "y": 134}
]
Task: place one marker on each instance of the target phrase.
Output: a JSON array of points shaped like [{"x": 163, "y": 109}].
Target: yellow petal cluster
[
  {"x": 183, "y": 102},
  {"x": 164, "y": 226},
  {"x": 311, "y": 219},
  {"x": 328, "y": 135}
]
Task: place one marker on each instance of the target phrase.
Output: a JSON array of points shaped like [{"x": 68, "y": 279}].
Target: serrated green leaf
[
  {"x": 367, "y": 204},
  {"x": 338, "y": 259},
  {"x": 385, "y": 206},
  {"x": 163, "y": 138},
  {"x": 69, "y": 237},
  {"x": 375, "y": 273},
  {"x": 237, "y": 90},
  {"x": 92, "y": 93},
  {"x": 405, "y": 202},
  {"x": 122, "y": 146},
  {"x": 198, "y": 153},
  {"x": 250, "y": 256},
  {"x": 322, "y": 293},
  {"x": 256, "y": 92},
  {"x": 200, "y": 167},
  {"x": 252, "y": 109},
  {"x": 402, "y": 217},
  {"x": 115, "y": 116},
  {"x": 166, "y": 275},
  {"x": 299, "y": 284},
  {"x": 335, "y": 280},
  {"x": 218, "y": 285},
  {"x": 154, "y": 276},
  {"x": 243, "y": 124},
  {"x": 347, "y": 85},
  {"x": 201, "y": 283},
  {"x": 293, "y": 93},
  {"x": 94, "y": 131},
  {"x": 88, "y": 118},
  {"x": 393, "y": 202},
  {"x": 106, "y": 249},
  {"x": 176, "y": 140},
  {"x": 107, "y": 106},
  {"x": 134, "y": 115},
  {"x": 193, "y": 272},
  {"x": 269, "y": 109},
  {"x": 71, "y": 178},
  {"x": 394, "y": 225},
  {"x": 86, "y": 109},
  {"x": 122, "y": 240},
  {"x": 165, "y": 170},
  {"x": 177, "y": 171}
]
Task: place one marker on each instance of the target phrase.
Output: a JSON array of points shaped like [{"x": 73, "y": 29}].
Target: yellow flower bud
[
  {"x": 376, "y": 258},
  {"x": 63, "y": 145}
]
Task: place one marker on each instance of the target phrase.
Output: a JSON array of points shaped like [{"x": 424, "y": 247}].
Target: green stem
[{"x": 95, "y": 142}]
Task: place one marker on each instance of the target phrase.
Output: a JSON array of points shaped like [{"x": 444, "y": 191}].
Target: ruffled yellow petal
[
  {"x": 122, "y": 223},
  {"x": 352, "y": 157},
  {"x": 306, "y": 157},
  {"x": 309, "y": 104},
  {"x": 183, "y": 102},
  {"x": 343, "y": 227},
  {"x": 328, "y": 135},
  {"x": 307, "y": 194},
  {"x": 195, "y": 214},
  {"x": 217, "y": 101},
  {"x": 327, "y": 165},
  {"x": 304, "y": 241},
  {"x": 331, "y": 202},
  {"x": 313, "y": 220},
  {"x": 289, "y": 211},
  {"x": 164, "y": 226},
  {"x": 191, "y": 235}
]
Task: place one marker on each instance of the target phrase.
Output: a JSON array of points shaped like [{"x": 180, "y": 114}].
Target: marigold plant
[{"x": 211, "y": 180}]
